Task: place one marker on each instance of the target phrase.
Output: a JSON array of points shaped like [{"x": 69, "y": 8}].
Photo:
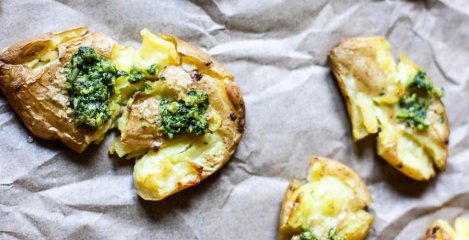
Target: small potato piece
[
  {"x": 398, "y": 102},
  {"x": 32, "y": 77},
  {"x": 442, "y": 230},
  {"x": 330, "y": 205}
]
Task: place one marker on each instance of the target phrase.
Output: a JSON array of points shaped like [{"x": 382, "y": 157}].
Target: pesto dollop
[
  {"x": 137, "y": 74},
  {"x": 309, "y": 235},
  {"x": 413, "y": 106},
  {"x": 185, "y": 116},
  {"x": 413, "y": 111},
  {"x": 89, "y": 83}
]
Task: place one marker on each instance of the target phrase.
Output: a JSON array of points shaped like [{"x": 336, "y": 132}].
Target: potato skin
[
  {"x": 209, "y": 65},
  {"x": 235, "y": 116},
  {"x": 325, "y": 167},
  {"x": 193, "y": 54},
  {"x": 38, "y": 96},
  {"x": 369, "y": 65}
]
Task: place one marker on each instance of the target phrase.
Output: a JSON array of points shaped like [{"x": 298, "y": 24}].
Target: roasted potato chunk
[
  {"x": 171, "y": 161},
  {"x": 397, "y": 102},
  {"x": 330, "y": 205},
  {"x": 441, "y": 230},
  {"x": 32, "y": 78}
]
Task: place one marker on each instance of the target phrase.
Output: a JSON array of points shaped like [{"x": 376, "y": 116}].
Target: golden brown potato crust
[{"x": 38, "y": 95}]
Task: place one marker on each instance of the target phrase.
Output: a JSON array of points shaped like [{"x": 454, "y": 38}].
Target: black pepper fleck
[
  {"x": 196, "y": 75},
  {"x": 156, "y": 146}
]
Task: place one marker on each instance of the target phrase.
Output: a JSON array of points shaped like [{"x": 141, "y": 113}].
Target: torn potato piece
[
  {"x": 442, "y": 230},
  {"x": 397, "y": 102},
  {"x": 330, "y": 205},
  {"x": 34, "y": 77},
  {"x": 181, "y": 125}
]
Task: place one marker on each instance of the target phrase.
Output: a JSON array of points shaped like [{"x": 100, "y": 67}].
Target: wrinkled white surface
[{"x": 278, "y": 52}]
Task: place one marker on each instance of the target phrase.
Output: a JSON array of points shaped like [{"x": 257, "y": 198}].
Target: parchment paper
[{"x": 278, "y": 52}]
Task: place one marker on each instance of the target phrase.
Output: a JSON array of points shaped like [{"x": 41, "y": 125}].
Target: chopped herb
[
  {"x": 308, "y": 235},
  {"x": 135, "y": 75},
  {"x": 152, "y": 69},
  {"x": 147, "y": 85},
  {"x": 185, "y": 116},
  {"x": 414, "y": 105},
  {"x": 440, "y": 92},
  {"x": 161, "y": 77},
  {"x": 89, "y": 84},
  {"x": 413, "y": 111},
  {"x": 332, "y": 234},
  {"x": 421, "y": 82}
]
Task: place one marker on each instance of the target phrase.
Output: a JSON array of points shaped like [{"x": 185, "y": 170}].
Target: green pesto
[
  {"x": 413, "y": 111},
  {"x": 332, "y": 234},
  {"x": 185, "y": 116},
  {"x": 89, "y": 84},
  {"x": 413, "y": 106},
  {"x": 309, "y": 235},
  {"x": 147, "y": 85},
  {"x": 421, "y": 82},
  {"x": 135, "y": 75},
  {"x": 152, "y": 69}
]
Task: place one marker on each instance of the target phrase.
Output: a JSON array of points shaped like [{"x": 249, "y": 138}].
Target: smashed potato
[
  {"x": 330, "y": 205},
  {"x": 397, "y": 102},
  {"x": 181, "y": 113},
  {"x": 441, "y": 230},
  {"x": 33, "y": 79},
  {"x": 175, "y": 160}
]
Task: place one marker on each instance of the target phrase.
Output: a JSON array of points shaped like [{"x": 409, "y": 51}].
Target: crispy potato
[
  {"x": 170, "y": 165},
  {"x": 441, "y": 230},
  {"x": 374, "y": 88},
  {"x": 330, "y": 205},
  {"x": 32, "y": 79}
]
